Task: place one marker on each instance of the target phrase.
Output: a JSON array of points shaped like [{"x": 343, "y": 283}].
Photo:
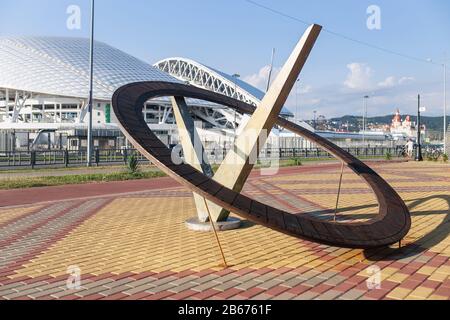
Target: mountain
[{"x": 432, "y": 123}]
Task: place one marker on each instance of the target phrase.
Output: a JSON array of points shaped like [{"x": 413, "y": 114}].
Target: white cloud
[
  {"x": 389, "y": 82},
  {"x": 359, "y": 77},
  {"x": 404, "y": 80},
  {"x": 392, "y": 81},
  {"x": 305, "y": 89},
  {"x": 259, "y": 80}
]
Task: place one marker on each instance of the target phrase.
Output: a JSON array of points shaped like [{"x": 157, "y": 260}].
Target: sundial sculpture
[{"x": 222, "y": 192}]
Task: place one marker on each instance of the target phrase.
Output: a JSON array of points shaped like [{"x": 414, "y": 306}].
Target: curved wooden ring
[{"x": 390, "y": 226}]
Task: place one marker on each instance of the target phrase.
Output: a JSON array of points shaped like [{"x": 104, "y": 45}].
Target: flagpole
[{"x": 91, "y": 85}]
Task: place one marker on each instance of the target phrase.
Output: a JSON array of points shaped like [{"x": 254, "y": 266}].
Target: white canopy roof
[{"x": 60, "y": 66}]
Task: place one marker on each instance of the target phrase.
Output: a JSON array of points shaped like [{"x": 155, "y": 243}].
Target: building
[
  {"x": 44, "y": 89},
  {"x": 402, "y": 128}
]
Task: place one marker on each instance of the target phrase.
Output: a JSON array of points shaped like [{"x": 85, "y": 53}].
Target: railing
[{"x": 66, "y": 158}]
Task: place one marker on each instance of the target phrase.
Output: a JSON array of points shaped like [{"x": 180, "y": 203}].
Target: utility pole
[
  {"x": 419, "y": 145},
  {"x": 365, "y": 120},
  {"x": 91, "y": 88},
  {"x": 315, "y": 120},
  {"x": 445, "y": 105},
  {"x": 296, "y": 102},
  {"x": 236, "y": 96}
]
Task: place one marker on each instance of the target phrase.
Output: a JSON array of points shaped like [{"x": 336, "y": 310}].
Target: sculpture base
[{"x": 195, "y": 224}]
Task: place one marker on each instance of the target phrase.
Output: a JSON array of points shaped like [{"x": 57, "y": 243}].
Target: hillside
[{"x": 432, "y": 123}]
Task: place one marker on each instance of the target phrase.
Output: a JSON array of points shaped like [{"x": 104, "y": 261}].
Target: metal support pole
[
  {"x": 419, "y": 143},
  {"x": 225, "y": 265},
  {"x": 445, "y": 107},
  {"x": 91, "y": 84},
  {"x": 365, "y": 120},
  {"x": 339, "y": 192}
]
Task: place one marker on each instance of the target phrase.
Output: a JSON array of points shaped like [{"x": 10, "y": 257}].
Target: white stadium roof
[
  {"x": 200, "y": 75},
  {"x": 60, "y": 66}
]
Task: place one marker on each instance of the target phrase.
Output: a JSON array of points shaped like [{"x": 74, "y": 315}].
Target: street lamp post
[
  {"x": 419, "y": 145},
  {"x": 236, "y": 96},
  {"x": 366, "y": 98},
  {"x": 296, "y": 101},
  {"x": 315, "y": 120},
  {"x": 445, "y": 106},
  {"x": 297, "y": 120},
  {"x": 91, "y": 84},
  {"x": 444, "y": 65}
]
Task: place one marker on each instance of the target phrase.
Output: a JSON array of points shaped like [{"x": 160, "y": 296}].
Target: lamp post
[
  {"x": 445, "y": 106},
  {"x": 366, "y": 98},
  {"x": 296, "y": 101},
  {"x": 91, "y": 84},
  {"x": 315, "y": 120},
  {"x": 419, "y": 146},
  {"x": 444, "y": 65},
  {"x": 236, "y": 96}
]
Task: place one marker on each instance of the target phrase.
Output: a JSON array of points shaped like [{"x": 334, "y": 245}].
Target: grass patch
[
  {"x": 138, "y": 174},
  {"x": 388, "y": 156},
  {"x": 24, "y": 183}
]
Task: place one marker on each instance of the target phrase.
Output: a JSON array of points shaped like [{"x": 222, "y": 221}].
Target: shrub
[
  {"x": 433, "y": 157},
  {"x": 388, "y": 156},
  {"x": 133, "y": 164},
  {"x": 296, "y": 161},
  {"x": 445, "y": 157}
]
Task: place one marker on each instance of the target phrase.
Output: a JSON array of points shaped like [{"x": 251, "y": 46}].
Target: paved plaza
[{"x": 129, "y": 241}]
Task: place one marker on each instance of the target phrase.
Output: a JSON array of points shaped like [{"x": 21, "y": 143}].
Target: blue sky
[{"x": 237, "y": 37}]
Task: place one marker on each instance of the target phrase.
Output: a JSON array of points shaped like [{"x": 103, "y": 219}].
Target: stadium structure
[{"x": 44, "y": 89}]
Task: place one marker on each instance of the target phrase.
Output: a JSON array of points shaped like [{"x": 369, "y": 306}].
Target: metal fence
[{"x": 65, "y": 158}]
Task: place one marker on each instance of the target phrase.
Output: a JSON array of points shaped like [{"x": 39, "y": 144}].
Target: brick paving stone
[
  {"x": 306, "y": 296},
  {"x": 207, "y": 278},
  {"x": 248, "y": 294},
  {"x": 299, "y": 289},
  {"x": 139, "y": 289},
  {"x": 353, "y": 294},
  {"x": 313, "y": 282},
  {"x": 116, "y": 296},
  {"x": 205, "y": 286},
  {"x": 229, "y": 293},
  {"x": 227, "y": 285},
  {"x": 284, "y": 296},
  {"x": 141, "y": 282},
  {"x": 248, "y": 285},
  {"x": 261, "y": 296},
  {"x": 269, "y": 284},
  {"x": 184, "y": 280},
  {"x": 321, "y": 288},
  {"x": 293, "y": 282},
  {"x": 266, "y": 277},
  {"x": 329, "y": 295},
  {"x": 118, "y": 283},
  {"x": 274, "y": 291},
  {"x": 44, "y": 293},
  {"x": 335, "y": 280},
  {"x": 102, "y": 234},
  {"x": 163, "y": 295},
  {"x": 184, "y": 287},
  {"x": 138, "y": 296}
]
